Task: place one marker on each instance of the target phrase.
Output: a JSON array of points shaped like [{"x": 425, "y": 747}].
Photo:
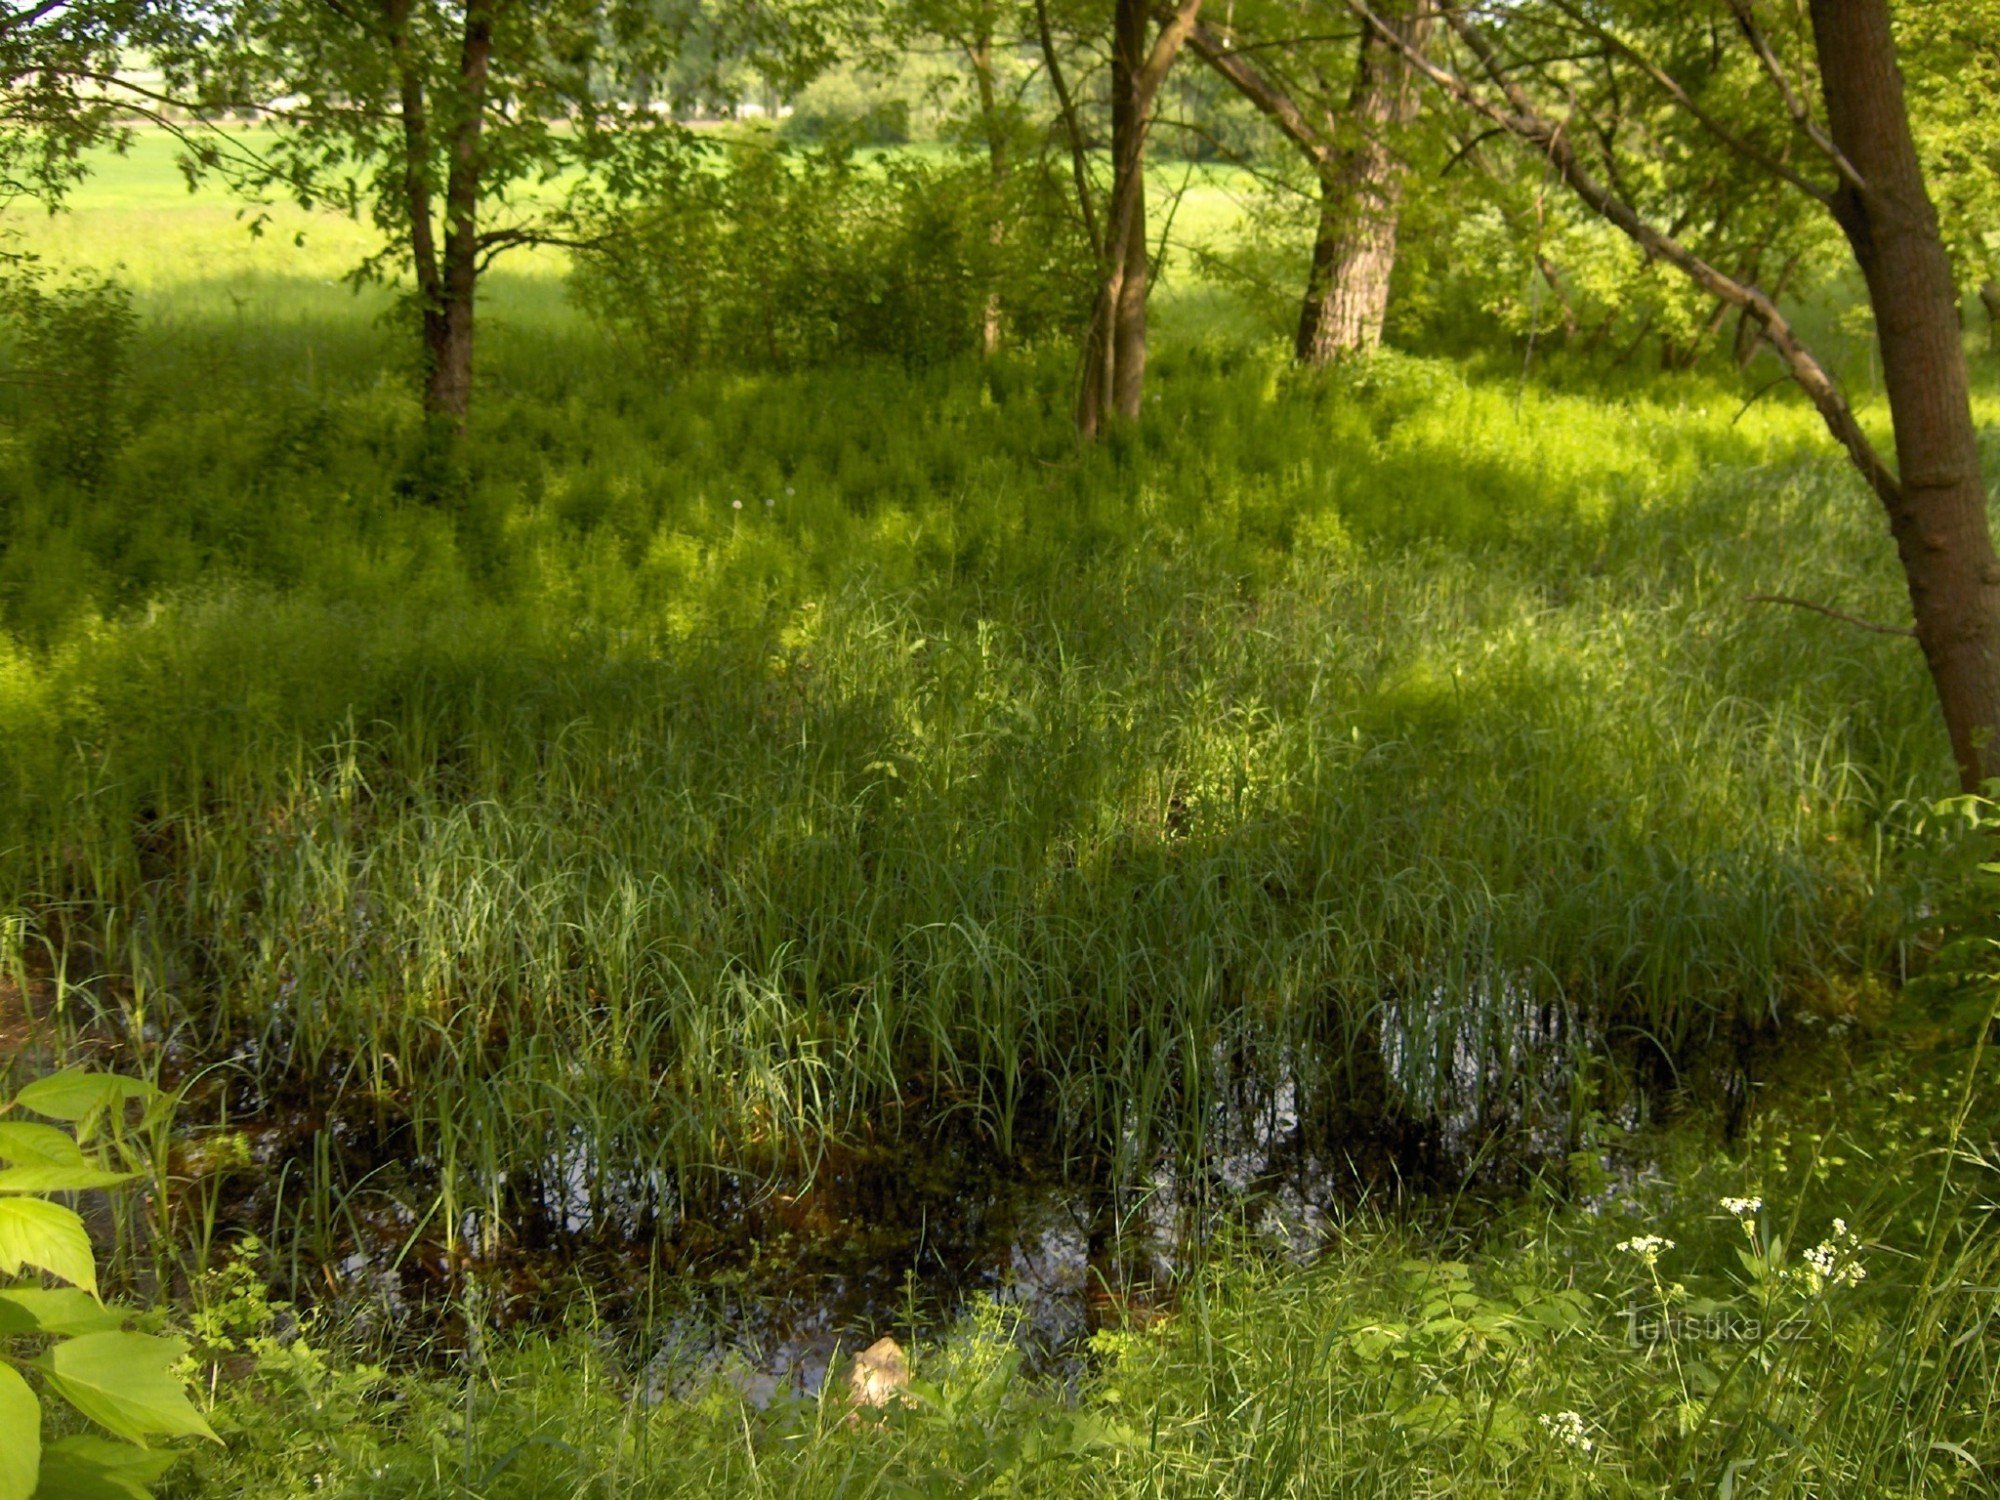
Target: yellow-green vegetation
[
  {"x": 724, "y": 768},
  {"x": 63, "y": 1341}
]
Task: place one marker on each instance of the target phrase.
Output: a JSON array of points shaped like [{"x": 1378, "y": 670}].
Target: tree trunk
[
  {"x": 980, "y": 51},
  {"x": 1937, "y": 510},
  {"x": 415, "y": 112},
  {"x": 1989, "y": 298},
  {"x": 448, "y": 323},
  {"x": 1115, "y": 350},
  {"x": 1361, "y": 198}
]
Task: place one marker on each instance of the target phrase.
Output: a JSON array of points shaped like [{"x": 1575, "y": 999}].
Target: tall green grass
[
  {"x": 730, "y": 766},
  {"x": 725, "y": 770},
  {"x": 955, "y": 771}
]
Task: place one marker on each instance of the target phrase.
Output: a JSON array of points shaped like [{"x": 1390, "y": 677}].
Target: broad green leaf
[
  {"x": 23, "y": 1144},
  {"x": 124, "y": 1383},
  {"x": 77, "y": 1095},
  {"x": 58, "y": 1310},
  {"x": 20, "y": 1436},
  {"x": 94, "y": 1468},
  {"x": 47, "y": 1236},
  {"x": 54, "y": 1179}
]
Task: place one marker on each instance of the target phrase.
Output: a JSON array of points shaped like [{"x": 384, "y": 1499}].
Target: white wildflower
[
  {"x": 1647, "y": 1247},
  {"x": 1566, "y": 1427},
  {"x": 1835, "y": 1260}
]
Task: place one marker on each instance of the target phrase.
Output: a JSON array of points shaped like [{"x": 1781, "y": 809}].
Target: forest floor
[{"x": 1227, "y": 945}]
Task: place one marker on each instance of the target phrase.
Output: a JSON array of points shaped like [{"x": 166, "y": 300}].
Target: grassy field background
[{"x": 737, "y": 769}]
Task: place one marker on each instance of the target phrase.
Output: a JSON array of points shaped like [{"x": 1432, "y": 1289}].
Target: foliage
[
  {"x": 573, "y": 84},
  {"x": 65, "y": 348},
  {"x": 785, "y": 258},
  {"x": 124, "y": 1383},
  {"x": 1951, "y": 63},
  {"x": 56, "y": 102},
  {"x": 864, "y": 123},
  {"x": 760, "y": 757}
]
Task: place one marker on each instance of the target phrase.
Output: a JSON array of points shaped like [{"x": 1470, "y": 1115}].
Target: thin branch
[
  {"x": 28, "y": 18},
  {"x": 1795, "y": 105},
  {"x": 1079, "y": 157},
  {"x": 1270, "y": 99},
  {"x": 1671, "y": 86},
  {"x": 1832, "y": 614},
  {"x": 1757, "y": 395}
]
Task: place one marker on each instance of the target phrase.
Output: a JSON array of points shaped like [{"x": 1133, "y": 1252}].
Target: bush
[
  {"x": 791, "y": 258},
  {"x": 64, "y": 356},
  {"x": 885, "y": 123}
]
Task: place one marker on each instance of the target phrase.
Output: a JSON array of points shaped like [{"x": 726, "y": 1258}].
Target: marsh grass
[
  {"x": 731, "y": 770},
  {"x": 968, "y": 775}
]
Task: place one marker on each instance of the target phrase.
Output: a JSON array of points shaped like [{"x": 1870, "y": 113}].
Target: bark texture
[
  {"x": 1114, "y": 364},
  {"x": 448, "y": 327},
  {"x": 447, "y": 279},
  {"x": 1937, "y": 511},
  {"x": 1361, "y": 196}
]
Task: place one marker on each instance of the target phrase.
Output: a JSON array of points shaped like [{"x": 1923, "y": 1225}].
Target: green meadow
[{"x": 731, "y": 777}]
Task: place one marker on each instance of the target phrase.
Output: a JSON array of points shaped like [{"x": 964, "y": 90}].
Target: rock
[{"x": 881, "y": 1373}]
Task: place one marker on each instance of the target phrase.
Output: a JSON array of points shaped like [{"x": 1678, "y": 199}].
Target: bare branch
[
  {"x": 1270, "y": 99},
  {"x": 1795, "y": 104},
  {"x": 1672, "y": 88},
  {"x": 1832, "y": 614},
  {"x": 1079, "y": 158}
]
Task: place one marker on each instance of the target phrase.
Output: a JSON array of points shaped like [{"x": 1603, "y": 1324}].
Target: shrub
[
  {"x": 64, "y": 355},
  {"x": 789, "y": 258}
]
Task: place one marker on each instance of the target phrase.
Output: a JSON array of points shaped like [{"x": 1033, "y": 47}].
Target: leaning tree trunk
[
  {"x": 448, "y": 320},
  {"x": 1938, "y": 510},
  {"x": 1361, "y": 198}
]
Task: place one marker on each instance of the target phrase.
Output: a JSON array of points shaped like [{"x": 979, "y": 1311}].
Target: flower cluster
[
  {"x": 1566, "y": 1427},
  {"x": 1647, "y": 1247},
  {"x": 1835, "y": 1260},
  {"x": 1744, "y": 1211}
]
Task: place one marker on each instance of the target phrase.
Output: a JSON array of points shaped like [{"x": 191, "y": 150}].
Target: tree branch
[
  {"x": 1271, "y": 100},
  {"x": 1832, "y": 614},
  {"x": 1795, "y": 106},
  {"x": 1079, "y": 158},
  {"x": 1517, "y": 114}
]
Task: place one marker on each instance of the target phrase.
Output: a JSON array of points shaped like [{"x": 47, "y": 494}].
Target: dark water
[{"x": 764, "y": 1282}]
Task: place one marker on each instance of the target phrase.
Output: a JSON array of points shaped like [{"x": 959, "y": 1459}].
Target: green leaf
[
  {"x": 124, "y": 1383},
  {"x": 93, "y": 1468},
  {"x": 59, "y": 1310},
  {"x": 54, "y": 1179},
  {"x": 76, "y": 1095},
  {"x": 24, "y": 1144},
  {"x": 47, "y": 1236},
  {"x": 20, "y": 1436}
]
